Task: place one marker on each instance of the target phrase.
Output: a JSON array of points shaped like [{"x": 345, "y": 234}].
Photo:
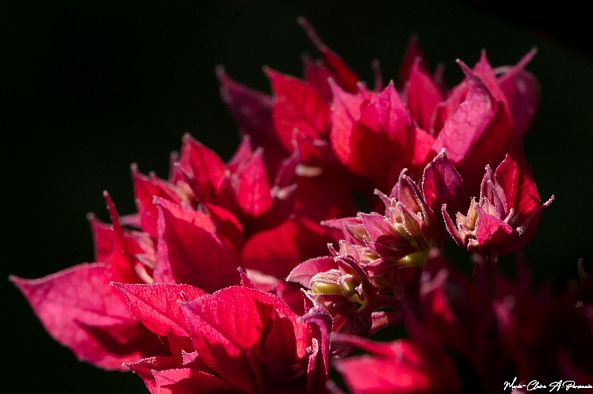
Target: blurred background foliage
[{"x": 94, "y": 86}]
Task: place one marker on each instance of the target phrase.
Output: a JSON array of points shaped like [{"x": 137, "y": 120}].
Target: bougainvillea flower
[
  {"x": 409, "y": 228},
  {"x": 239, "y": 339},
  {"x": 235, "y": 204},
  {"x": 251, "y": 208},
  {"x": 340, "y": 286},
  {"x": 178, "y": 236},
  {"x": 222, "y": 280},
  {"x": 507, "y": 213},
  {"x": 477, "y": 121},
  {"x": 377, "y": 261},
  {"x": 397, "y": 367},
  {"x": 480, "y": 123}
]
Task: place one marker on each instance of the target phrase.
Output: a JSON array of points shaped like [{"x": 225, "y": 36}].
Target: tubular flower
[
  {"x": 507, "y": 213},
  {"x": 377, "y": 262},
  {"x": 404, "y": 234},
  {"x": 340, "y": 286}
]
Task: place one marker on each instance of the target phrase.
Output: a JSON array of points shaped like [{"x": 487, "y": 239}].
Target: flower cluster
[{"x": 260, "y": 275}]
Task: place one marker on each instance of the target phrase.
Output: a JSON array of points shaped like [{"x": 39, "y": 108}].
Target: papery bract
[
  {"x": 79, "y": 309},
  {"x": 254, "y": 341}
]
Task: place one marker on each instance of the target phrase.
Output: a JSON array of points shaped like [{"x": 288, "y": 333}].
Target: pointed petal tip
[
  {"x": 464, "y": 67},
  {"x": 528, "y": 57},
  {"x": 16, "y": 280},
  {"x": 311, "y": 33},
  {"x": 187, "y": 138},
  {"x": 219, "y": 71},
  {"x": 442, "y": 154}
]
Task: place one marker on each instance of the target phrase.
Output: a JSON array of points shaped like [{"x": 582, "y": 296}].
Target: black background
[{"x": 92, "y": 87}]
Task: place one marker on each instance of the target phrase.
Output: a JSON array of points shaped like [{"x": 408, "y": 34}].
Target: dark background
[{"x": 93, "y": 87}]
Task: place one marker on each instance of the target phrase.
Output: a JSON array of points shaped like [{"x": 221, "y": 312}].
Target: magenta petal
[
  {"x": 412, "y": 56},
  {"x": 227, "y": 325},
  {"x": 303, "y": 272},
  {"x": 103, "y": 238},
  {"x": 316, "y": 74},
  {"x": 191, "y": 254},
  {"x": 371, "y": 133},
  {"x": 450, "y": 226},
  {"x": 252, "y": 189},
  {"x": 145, "y": 190},
  {"x": 375, "y": 225},
  {"x": 144, "y": 368},
  {"x": 423, "y": 143},
  {"x": 484, "y": 71},
  {"x": 228, "y": 227},
  {"x": 253, "y": 112},
  {"x": 516, "y": 179},
  {"x": 157, "y": 305},
  {"x": 441, "y": 183},
  {"x": 72, "y": 302},
  {"x": 491, "y": 231},
  {"x": 190, "y": 381},
  {"x": 342, "y": 72},
  {"x": 242, "y": 154},
  {"x": 278, "y": 250},
  {"x": 250, "y": 108},
  {"x": 386, "y": 112},
  {"x": 466, "y": 125},
  {"x": 126, "y": 248},
  {"x": 343, "y": 137},
  {"x": 522, "y": 92},
  {"x": 205, "y": 169},
  {"x": 422, "y": 96},
  {"x": 298, "y": 107}
]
